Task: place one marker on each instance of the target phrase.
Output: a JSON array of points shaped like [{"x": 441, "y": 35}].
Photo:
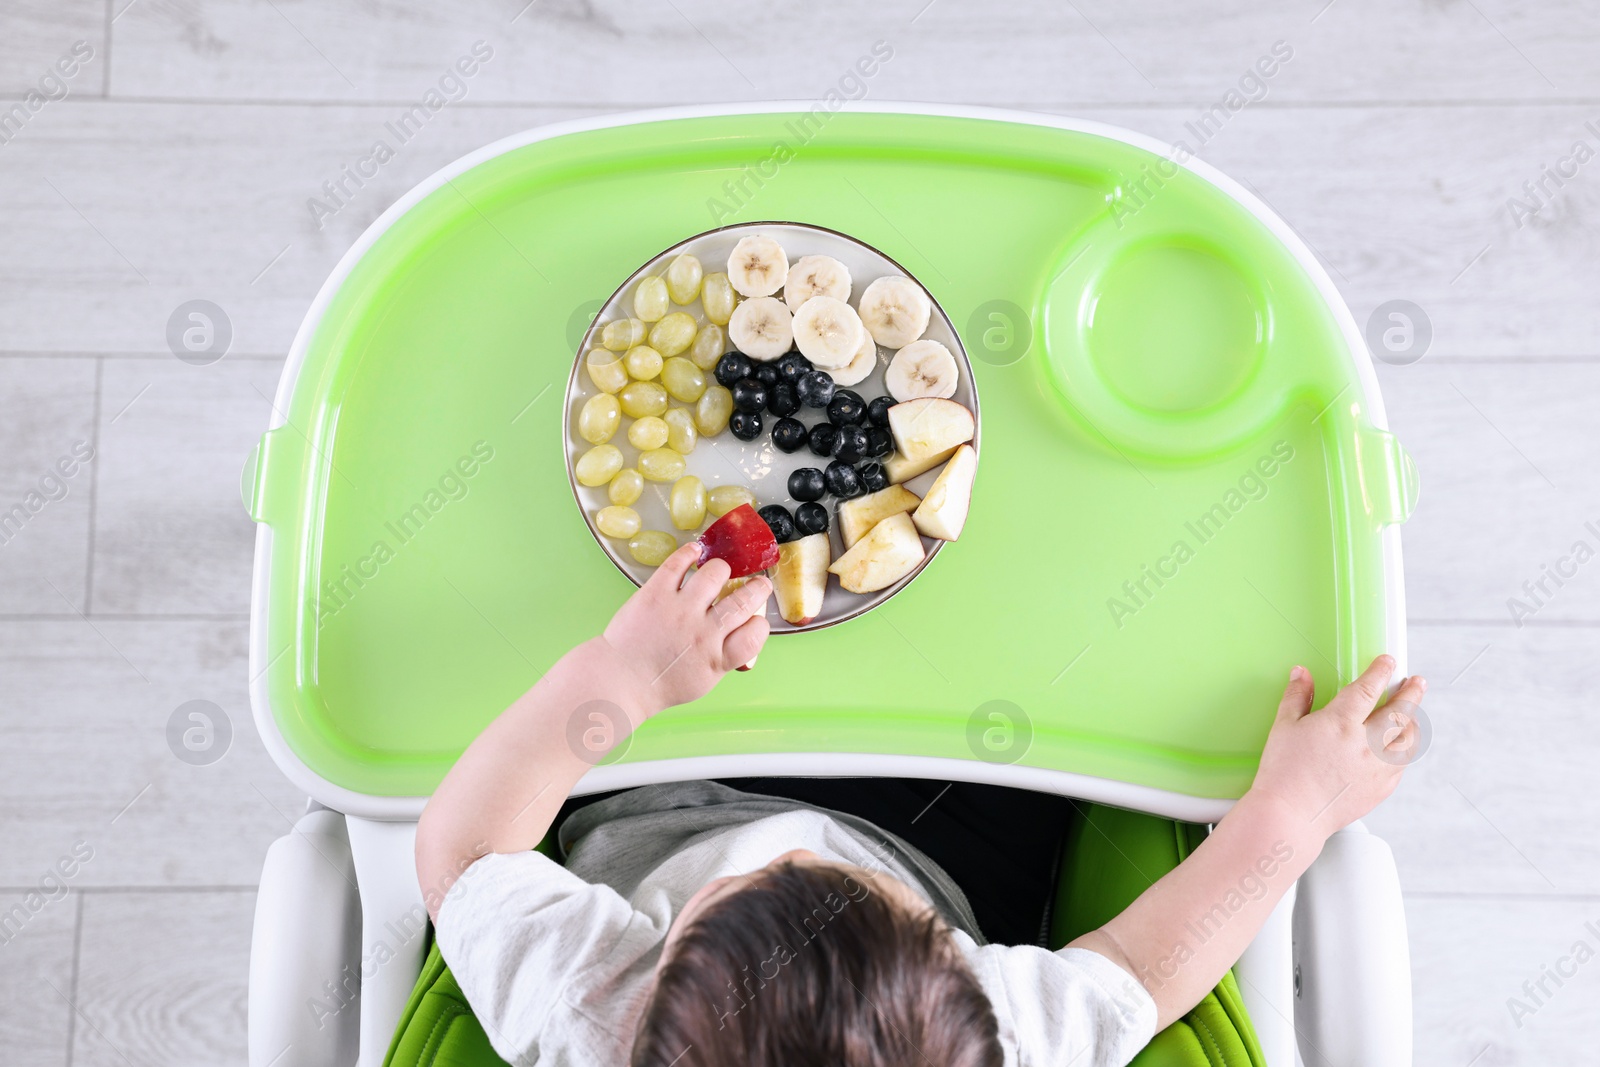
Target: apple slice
[
  {"x": 901, "y": 469},
  {"x": 742, "y": 539},
  {"x": 943, "y": 511},
  {"x": 889, "y": 552},
  {"x": 858, "y": 516},
  {"x": 802, "y": 577},
  {"x": 926, "y": 432}
]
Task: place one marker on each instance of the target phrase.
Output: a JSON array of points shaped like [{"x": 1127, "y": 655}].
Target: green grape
[
  {"x": 681, "y": 434},
  {"x": 623, "y": 334},
  {"x": 617, "y": 521},
  {"x": 647, "y": 398},
  {"x": 642, "y": 362},
  {"x": 598, "y": 465},
  {"x": 652, "y": 547},
  {"x": 717, "y": 297},
  {"x": 647, "y": 433},
  {"x": 711, "y": 411},
  {"x": 650, "y": 299},
  {"x": 598, "y": 418},
  {"x": 660, "y": 464},
  {"x": 709, "y": 345},
  {"x": 724, "y": 498},
  {"x": 626, "y": 487},
  {"x": 683, "y": 279},
  {"x": 683, "y": 380},
  {"x": 606, "y": 370},
  {"x": 687, "y": 503},
  {"x": 673, "y": 334}
]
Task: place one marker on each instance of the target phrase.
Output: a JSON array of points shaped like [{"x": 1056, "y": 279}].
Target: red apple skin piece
[{"x": 742, "y": 539}]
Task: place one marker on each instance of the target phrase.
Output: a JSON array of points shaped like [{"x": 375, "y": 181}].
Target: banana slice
[
  {"x": 862, "y": 365},
  {"x": 895, "y": 310},
  {"x": 757, "y": 266},
  {"x": 922, "y": 368},
  {"x": 827, "y": 331},
  {"x": 762, "y": 328},
  {"x": 811, "y": 276}
]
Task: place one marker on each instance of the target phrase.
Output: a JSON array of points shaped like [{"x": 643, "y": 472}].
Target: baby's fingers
[
  {"x": 669, "y": 576},
  {"x": 1357, "y": 699},
  {"x": 745, "y": 642},
  {"x": 1412, "y": 690},
  {"x": 1393, "y": 731},
  {"x": 1297, "y": 696},
  {"x": 704, "y": 585},
  {"x": 733, "y": 610}
]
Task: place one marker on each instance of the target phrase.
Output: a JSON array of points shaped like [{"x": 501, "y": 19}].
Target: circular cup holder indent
[
  {"x": 1161, "y": 345},
  {"x": 1173, "y": 329}
]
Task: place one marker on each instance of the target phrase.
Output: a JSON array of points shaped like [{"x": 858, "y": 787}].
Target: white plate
[{"x": 757, "y": 465}]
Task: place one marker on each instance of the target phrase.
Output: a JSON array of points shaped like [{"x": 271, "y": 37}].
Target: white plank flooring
[
  {"x": 179, "y": 163},
  {"x": 162, "y": 979}
]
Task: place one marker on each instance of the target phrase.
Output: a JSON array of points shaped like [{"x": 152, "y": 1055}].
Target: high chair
[{"x": 1187, "y": 485}]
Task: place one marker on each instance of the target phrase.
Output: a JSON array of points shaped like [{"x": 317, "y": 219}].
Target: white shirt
[{"x": 558, "y": 966}]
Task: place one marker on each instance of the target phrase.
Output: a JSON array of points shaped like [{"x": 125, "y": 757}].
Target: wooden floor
[{"x": 179, "y": 165}]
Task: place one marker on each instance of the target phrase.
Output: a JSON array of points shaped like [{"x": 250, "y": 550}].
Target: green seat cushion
[
  {"x": 1109, "y": 858},
  {"x": 438, "y": 1029}
]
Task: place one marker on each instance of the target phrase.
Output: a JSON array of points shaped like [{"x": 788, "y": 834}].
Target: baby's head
[{"x": 812, "y": 962}]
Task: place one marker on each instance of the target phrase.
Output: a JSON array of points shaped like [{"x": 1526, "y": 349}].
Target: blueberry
[
  {"x": 878, "y": 410},
  {"x": 781, "y": 399},
  {"x": 733, "y": 366},
  {"x": 792, "y": 366},
  {"x": 879, "y": 442},
  {"x": 852, "y": 444},
  {"x": 824, "y": 438},
  {"x": 779, "y": 521},
  {"x": 814, "y": 388},
  {"x": 873, "y": 477},
  {"x": 842, "y": 480},
  {"x": 767, "y": 374},
  {"x": 806, "y": 483},
  {"x": 811, "y": 518},
  {"x": 789, "y": 435},
  {"x": 846, "y": 408},
  {"x": 746, "y": 425},
  {"x": 749, "y": 395}
]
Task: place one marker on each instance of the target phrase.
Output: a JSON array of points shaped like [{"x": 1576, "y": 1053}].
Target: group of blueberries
[{"x": 856, "y": 430}]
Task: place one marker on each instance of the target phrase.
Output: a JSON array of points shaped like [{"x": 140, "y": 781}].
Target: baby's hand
[
  {"x": 678, "y": 642},
  {"x": 1331, "y": 767}
]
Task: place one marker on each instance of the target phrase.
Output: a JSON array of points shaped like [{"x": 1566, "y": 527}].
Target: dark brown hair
[{"x": 809, "y": 965}]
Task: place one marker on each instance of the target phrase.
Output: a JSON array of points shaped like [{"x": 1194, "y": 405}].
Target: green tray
[{"x": 1147, "y": 341}]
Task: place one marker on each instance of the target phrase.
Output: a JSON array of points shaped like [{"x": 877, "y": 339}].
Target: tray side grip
[
  {"x": 267, "y": 482},
  {"x": 1390, "y": 485}
]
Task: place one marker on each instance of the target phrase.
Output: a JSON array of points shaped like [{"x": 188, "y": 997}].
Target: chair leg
[
  {"x": 1352, "y": 963},
  {"x": 305, "y": 949},
  {"x": 394, "y": 927}
]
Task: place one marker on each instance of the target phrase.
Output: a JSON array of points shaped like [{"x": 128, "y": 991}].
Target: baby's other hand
[
  {"x": 678, "y": 642},
  {"x": 1334, "y": 765}
]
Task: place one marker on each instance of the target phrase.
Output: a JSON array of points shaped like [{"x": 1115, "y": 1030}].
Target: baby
[{"x": 698, "y": 925}]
